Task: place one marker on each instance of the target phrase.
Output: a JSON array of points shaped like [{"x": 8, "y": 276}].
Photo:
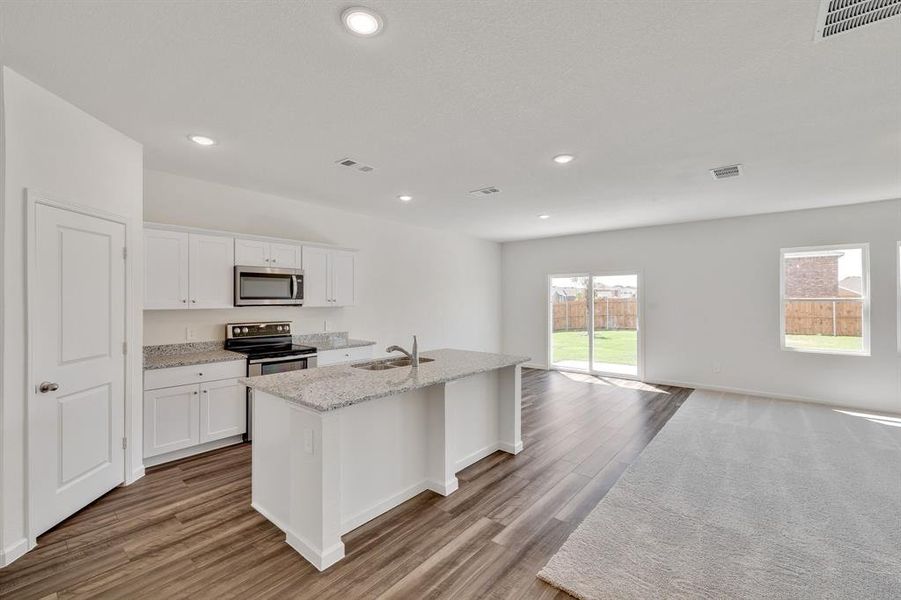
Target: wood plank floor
[{"x": 186, "y": 530}]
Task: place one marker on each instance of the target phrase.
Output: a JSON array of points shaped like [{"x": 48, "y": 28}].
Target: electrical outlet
[
  {"x": 716, "y": 366},
  {"x": 190, "y": 336},
  {"x": 325, "y": 325}
]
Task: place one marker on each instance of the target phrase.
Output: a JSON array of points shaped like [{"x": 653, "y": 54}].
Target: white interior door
[{"x": 76, "y": 413}]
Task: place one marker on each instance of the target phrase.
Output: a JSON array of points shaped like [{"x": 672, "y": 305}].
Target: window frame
[{"x": 865, "y": 302}]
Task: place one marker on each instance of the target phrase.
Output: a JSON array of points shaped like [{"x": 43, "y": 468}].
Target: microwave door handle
[{"x": 293, "y": 287}]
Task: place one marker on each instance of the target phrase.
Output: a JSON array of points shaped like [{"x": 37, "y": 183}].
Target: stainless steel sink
[
  {"x": 406, "y": 362},
  {"x": 384, "y": 365},
  {"x": 379, "y": 366}
]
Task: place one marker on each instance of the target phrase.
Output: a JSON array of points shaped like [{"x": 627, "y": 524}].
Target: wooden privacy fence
[
  {"x": 609, "y": 313},
  {"x": 824, "y": 317},
  {"x": 802, "y": 317}
]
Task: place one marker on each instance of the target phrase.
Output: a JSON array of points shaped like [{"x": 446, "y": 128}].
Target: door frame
[
  {"x": 640, "y": 338},
  {"x": 34, "y": 198}
]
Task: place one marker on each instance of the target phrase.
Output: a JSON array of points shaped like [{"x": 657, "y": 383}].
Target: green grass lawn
[
  {"x": 614, "y": 347},
  {"x": 824, "y": 342}
]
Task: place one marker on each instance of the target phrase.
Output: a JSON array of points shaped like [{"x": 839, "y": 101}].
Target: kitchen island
[{"x": 335, "y": 447}]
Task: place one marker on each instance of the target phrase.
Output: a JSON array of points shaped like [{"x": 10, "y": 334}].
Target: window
[{"x": 826, "y": 299}]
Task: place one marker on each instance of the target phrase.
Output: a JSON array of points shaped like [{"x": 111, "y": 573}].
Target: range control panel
[{"x": 266, "y": 329}]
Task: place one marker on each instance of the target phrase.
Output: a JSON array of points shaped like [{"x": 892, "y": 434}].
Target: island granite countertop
[{"x": 337, "y": 386}]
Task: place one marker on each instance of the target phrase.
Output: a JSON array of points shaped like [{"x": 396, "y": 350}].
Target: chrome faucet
[{"x": 413, "y": 356}]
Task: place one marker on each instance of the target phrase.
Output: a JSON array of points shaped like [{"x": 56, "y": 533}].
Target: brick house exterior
[{"x": 812, "y": 276}]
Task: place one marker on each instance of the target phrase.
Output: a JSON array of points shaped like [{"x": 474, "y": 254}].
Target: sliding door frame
[{"x": 549, "y": 341}]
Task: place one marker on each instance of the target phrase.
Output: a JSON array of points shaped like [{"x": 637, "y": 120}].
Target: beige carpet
[{"x": 747, "y": 498}]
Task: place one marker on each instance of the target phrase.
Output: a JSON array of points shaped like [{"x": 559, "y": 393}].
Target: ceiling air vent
[
  {"x": 726, "y": 172},
  {"x": 839, "y": 16},
  {"x": 354, "y": 164},
  {"x": 485, "y": 191}
]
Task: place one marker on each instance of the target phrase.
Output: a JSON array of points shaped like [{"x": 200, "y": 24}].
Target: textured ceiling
[{"x": 457, "y": 95}]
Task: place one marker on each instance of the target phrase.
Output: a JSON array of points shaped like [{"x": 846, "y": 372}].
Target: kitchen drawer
[
  {"x": 162, "y": 378},
  {"x": 335, "y": 357}
]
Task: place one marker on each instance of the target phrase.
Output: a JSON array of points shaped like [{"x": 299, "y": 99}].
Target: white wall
[
  {"x": 442, "y": 286},
  {"x": 711, "y": 295},
  {"x": 53, "y": 147}
]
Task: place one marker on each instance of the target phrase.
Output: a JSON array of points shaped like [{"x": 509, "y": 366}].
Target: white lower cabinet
[
  {"x": 171, "y": 417},
  {"x": 198, "y": 405},
  {"x": 223, "y": 409},
  {"x": 345, "y": 355}
]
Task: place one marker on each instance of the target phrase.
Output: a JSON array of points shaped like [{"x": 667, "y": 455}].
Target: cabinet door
[
  {"x": 212, "y": 271},
  {"x": 342, "y": 278},
  {"x": 171, "y": 417},
  {"x": 316, "y": 279},
  {"x": 223, "y": 409},
  {"x": 251, "y": 253},
  {"x": 165, "y": 269},
  {"x": 285, "y": 256}
]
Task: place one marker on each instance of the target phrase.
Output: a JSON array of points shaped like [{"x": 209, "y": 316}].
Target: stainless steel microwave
[{"x": 268, "y": 286}]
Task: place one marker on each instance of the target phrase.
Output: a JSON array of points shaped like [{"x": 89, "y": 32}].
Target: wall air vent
[
  {"x": 485, "y": 191},
  {"x": 726, "y": 172},
  {"x": 839, "y": 16},
  {"x": 355, "y": 165}
]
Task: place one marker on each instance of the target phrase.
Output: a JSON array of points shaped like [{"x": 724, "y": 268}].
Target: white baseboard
[
  {"x": 510, "y": 448},
  {"x": 382, "y": 506},
  {"x": 754, "y": 393},
  {"x": 135, "y": 475},
  {"x": 13, "y": 552},
  {"x": 186, "y": 452},
  {"x": 478, "y": 455},
  {"x": 445, "y": 489},
  {"x": 321, "y": 559},
  {"x": 277, "y": 522}
]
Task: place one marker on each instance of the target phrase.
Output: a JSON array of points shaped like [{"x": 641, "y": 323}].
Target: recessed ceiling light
[
  {"x": 202, "y": 140},
  {"x": 361, "y": 21},
  {"x": 562, "y": 159},
  {"x": 544, "y": 216},
  {"x": 404, "y": 198}
]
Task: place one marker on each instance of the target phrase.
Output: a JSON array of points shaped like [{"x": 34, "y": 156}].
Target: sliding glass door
[{"x": 594, "y": 323}]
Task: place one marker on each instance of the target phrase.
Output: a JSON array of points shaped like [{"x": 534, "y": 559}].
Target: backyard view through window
[
  {"x": 606, "y": 343},
  {"x": 824, "y": 297}
]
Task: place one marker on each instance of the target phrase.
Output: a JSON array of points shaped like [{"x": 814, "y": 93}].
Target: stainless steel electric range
[{"x": 269, "y": 348}]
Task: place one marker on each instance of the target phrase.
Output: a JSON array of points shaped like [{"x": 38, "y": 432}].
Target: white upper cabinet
[
  {"x": 316, "y": 277},
  {"x": 188, "y": 269},
  {"x": 256, "y": 253},
  {"x": 212, "y": 268},
  {"x": 328, "y": 277},
  {"x": 251, "y": 253},
  {"x": 286, "y": 256},
  {"x": 342, "y": 277},
  {"x": 183, "y": 270},
  {"x": 165, "y": 269}
]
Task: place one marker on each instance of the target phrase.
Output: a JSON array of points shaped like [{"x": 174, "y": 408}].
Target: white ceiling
[{"x": 453, "y": 96}]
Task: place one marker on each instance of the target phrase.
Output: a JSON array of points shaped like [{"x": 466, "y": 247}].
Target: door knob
[{"x": 48, "y": 386}]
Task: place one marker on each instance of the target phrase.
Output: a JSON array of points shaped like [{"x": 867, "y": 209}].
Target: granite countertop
[
  {"x": 342, "y": 344},
  {"x": 181, "y": 355},
  {"x": 336, "y": 340},
  {"x": 330, "y": 388}
]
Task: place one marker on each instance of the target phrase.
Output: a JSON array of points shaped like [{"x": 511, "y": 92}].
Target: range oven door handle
[{"x": 259, "y": 361}]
